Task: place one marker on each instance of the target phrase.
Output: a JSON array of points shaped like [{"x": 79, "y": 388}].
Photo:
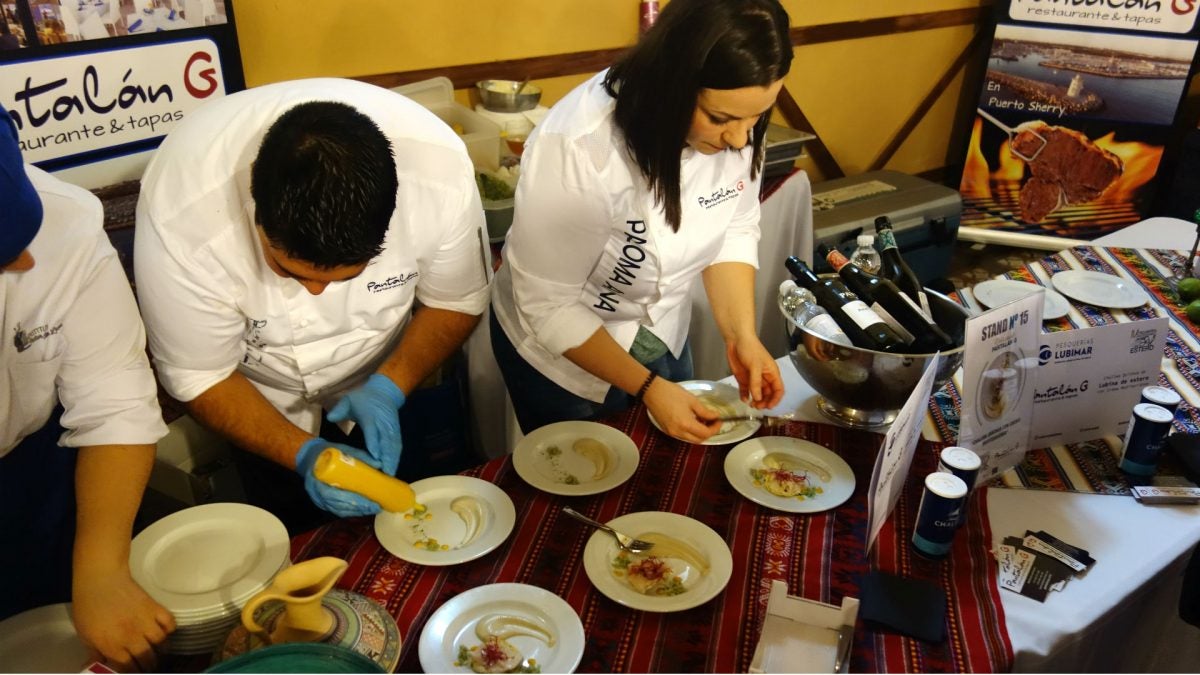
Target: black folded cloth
[{"x": 908, "y": 606}]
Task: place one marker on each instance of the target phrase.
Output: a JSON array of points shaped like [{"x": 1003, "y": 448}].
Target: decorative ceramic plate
[
  {"x": 1099, "y": 289},
  {"x": 360, "y": 624},
  {"x": 996, "y": 292},
  {"x": 789, "y": 474},
  {"x": 462, "y": 519},
  {"x": 697, "y": 562},
  {"x": 42, "y": 640},
  {"x": 541, "y": 627},
  {"x": 201, "y": 561},
  {"x": 726, "y": 400},
  {"x": 575, "y": 458}
]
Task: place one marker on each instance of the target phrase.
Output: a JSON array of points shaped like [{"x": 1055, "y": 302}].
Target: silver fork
[
  {"x": 1013, "y": 132},
  {"x": 625, "y": 541}
]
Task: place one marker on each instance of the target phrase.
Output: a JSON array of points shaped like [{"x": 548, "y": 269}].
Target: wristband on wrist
[{"x": 645, "y": 386}]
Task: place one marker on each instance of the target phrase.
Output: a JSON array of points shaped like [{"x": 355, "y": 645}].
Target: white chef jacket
[
  {"x": 588, "y": 247},
  {"x": 71, "y": 333},
  {"x": 211, "y": 303}
]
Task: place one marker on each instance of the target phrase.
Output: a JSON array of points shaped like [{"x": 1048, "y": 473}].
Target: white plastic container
[{"x": 481, "y": 135}]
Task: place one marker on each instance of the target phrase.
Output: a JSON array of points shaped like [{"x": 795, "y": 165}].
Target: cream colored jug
[{"x": 301, "y": 587}]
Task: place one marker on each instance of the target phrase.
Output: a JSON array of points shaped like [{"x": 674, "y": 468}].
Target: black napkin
[{"x": 908, "y": 606}]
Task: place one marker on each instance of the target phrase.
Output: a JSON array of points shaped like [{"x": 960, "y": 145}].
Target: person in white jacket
[
  {"x": 79, "y": 415},
  {"x": 285, "y": 236},
  {"x": 637, "y": 183}
]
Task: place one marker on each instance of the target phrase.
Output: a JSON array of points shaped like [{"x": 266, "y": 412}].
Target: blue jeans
[
  {"x": 37, "y": 521},
  {"x": 538, "y": 401}
]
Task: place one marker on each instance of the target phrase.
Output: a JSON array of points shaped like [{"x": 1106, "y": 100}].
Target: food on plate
[
  {"x": 417, "y": 517},
  {"x": 509, "y": 625},
  {"x": 1066, "y": 168},
  {"x": 648, "y": 575},
  {"x": 553, "y": 455},
  {"x": 720, "y": 408},
  {"x": 785, "y": 483},
  {"x": 782, "y": 460},
  {"x": 471, "y": 512},
  {"x": 495, "y": 655},
  {"x": 666, "y": 546},
  {"x": 597, "y": 453}
]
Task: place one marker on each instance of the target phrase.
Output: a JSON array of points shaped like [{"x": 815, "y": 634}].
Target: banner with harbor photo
[{"x": 1078, "y": 103}]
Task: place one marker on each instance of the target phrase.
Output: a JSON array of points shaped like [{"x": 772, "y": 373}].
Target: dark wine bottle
[
  {"x": 891, "y": 304},
  {"x": 864, "y": 327},
  {"x": 894, "y": 269}
]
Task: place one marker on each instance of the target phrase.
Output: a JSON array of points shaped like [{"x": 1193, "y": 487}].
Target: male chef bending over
[
  {"x": 284, "y": 236},
  {"x": 71, "y": 477}
]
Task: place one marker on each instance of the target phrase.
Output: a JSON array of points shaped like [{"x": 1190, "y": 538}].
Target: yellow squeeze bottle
[{"x": 340, "y": 471}]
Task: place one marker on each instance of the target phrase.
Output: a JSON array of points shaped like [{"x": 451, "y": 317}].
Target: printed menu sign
[
  {"x": 998, "y": 383},
  {"x": 1088, "y": 380},
  {"x": 895, "y": 457}
]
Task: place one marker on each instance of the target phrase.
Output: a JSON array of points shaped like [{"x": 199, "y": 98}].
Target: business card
[
  {"x": 1071, "y": 556},
  {"x": 1163, "y": 494}
]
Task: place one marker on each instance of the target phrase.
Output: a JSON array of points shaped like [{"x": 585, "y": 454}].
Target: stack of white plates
[{"x": 204, "y": 563}]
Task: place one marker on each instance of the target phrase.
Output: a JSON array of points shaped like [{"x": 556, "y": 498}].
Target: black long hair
[{"x": 694, "y": 45}]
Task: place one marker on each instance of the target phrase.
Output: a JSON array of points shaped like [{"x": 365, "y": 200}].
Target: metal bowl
[
  {"x": 498, "y": 96},
  {"x": 863, "y": 388}
]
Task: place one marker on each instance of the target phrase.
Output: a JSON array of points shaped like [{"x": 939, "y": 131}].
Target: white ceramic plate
[
  {"x": 547, "y": 460},
  {"x": 407, "y": 535},
  {"x": 199, "y": 561},
  {"x": 601, "y": 552},
  {"x": 453, "y": 626},
  {"x": 728, "y": 396},
  {"x": 1099, "y": 289},
  {"x": 42, "y": 640},
  {"x": 995, "y": 292},
  {"x": 821, "y": 467}
]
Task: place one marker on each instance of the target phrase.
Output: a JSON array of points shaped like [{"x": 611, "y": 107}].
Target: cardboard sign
[
  {"x": 895, "y": 457},
  {"x": 998, "y": 383},
  {"x": 1088, "y": 380}
]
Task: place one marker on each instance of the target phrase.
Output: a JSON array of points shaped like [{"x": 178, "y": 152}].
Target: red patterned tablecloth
[{"x": 820, "y": 556}]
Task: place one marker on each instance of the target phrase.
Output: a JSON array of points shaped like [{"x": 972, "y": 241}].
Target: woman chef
[{"x": 637, "y": 182}]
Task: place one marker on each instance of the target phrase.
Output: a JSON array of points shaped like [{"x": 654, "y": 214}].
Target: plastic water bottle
[
  {"x": 865, "y": 257},
  {"x": 800, "y": 306}
]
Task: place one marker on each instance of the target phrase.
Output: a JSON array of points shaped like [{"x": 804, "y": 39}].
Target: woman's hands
[
  {"x": 115, "y": 617},
  {"x": 757, "y": 374},
  {"x": 679, "y": 413}
]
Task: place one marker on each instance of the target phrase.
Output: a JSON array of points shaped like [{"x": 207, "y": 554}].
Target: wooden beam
[
  {"x": 536, "y": 68},
  {"x": 926, "y": 103},
  {"x": 887, "y": 25},
  {"x": 579, "y": 63},
  {"x": 795, "y": 117}
]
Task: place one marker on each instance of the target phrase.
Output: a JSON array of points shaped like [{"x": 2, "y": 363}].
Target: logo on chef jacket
[
  {"x": 24, "y": 339},
  {"x": 390, "y": 282},
  {"x": 721, "y": 195}
]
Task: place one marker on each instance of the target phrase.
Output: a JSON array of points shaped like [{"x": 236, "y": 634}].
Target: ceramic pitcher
[{"x": 301, "y": 588}]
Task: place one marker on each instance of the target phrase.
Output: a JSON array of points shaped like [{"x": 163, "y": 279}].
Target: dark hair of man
[
  {"x": 324, "y": 185},
  {"x": 694, "y": 45}
]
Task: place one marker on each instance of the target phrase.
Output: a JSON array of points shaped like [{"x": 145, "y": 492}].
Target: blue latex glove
[
  {"x": 373, "y": 406},
  {"x": 334, "y": 500}
]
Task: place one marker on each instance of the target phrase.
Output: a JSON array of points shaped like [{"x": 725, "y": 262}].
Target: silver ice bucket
[{"x": 863, "y": 388}]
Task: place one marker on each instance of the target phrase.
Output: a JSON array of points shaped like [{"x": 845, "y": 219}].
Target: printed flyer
[
  {"x": 1088, "y": 380},
  {"x": 896, "y": 455},
  {"x": 998, "y": 383},
  {"x": 1079, "y": 100}
]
